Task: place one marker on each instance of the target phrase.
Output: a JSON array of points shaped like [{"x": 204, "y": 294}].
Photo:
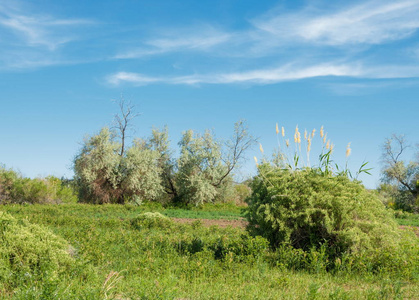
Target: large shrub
[
  {"x": 310, "y": 210},
  {"x": 107, "y": 175},
  {"x": 30, "y": 252}
]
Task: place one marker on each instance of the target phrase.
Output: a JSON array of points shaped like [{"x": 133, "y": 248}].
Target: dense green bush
[
  {"x": 30, "y": 252},
  {"x": 151, "y": 220},
  {"x": 16, "y": 189},
  {"x": 310, "y": 210}
]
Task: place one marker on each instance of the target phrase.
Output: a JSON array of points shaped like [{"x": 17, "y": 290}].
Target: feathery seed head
[
  {"x": 321, "y": 132},
  {"x": 308, "y": 144},
  {"x": 332, "y": 147},
  {"x": 296, "y": 134},
  {"x": 283, "y": 131},
  {"x": 256, "y": 160},
  {"x": 305, "y": 134},
  {"x": 277, "y": 129},
  {"x": 348, "y": 150},
  {"x": 287, "y": 142},
  {"x": 312, "y": 133},
  {"x": 328, "y": 145},
  {"x": 261, "y": 148}
]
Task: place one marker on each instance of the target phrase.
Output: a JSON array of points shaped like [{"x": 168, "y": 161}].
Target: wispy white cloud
[
  {"x": 368, "y": 87},
  {"x": 366, "y": 23},
  {"x": 134, "y": 78},
  {"x": 371, "y": 22},
  {"x": 312, "y": 37},
  {"x": 38, "y": 30},
  {"x": 199, "y": 39},
  {"x": 33, "y": 40},
  {"x": 289, "y": 72},
  {"x": 260, "y": 76}
]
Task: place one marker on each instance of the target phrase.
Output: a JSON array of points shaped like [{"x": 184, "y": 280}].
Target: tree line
[{"x": 107, "y": 170}]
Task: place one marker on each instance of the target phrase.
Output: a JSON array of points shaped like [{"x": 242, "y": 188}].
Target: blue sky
[{"x": 350, "y": 66}]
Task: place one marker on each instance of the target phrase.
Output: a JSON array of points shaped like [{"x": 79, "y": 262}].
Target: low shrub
[
  {"x": 30, "y": 253},
  {"x": 151, "y": 220},
  {"x": 241, "y": 248},
  {"x": 327, "y": 216},
  {"x": 14, "y": 188}
]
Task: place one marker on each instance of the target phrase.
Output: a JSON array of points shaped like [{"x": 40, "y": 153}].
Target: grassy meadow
[{"x": 116, "y": 255}]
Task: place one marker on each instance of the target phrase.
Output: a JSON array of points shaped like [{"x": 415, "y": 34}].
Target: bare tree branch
[
  {"x": 123, "y": 121},
  {"x": 239, "y": 143},
  {"x": 394, "y": 167}
]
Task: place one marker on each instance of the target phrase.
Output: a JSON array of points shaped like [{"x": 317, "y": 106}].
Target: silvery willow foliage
[{"x": 106, "y": 176}]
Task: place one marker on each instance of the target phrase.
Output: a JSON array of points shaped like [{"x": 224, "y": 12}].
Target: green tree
[
  {"x": 203, "y": 171},
  {"x": 106, "y": 176},
  {"x": 403, "y": 175},
  {"x": 109, "y": 171},
  {"x": 205, "y": 165},
  {"x": 159, "y": 142}
]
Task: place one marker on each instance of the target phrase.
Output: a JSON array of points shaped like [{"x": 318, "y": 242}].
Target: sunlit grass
[{"x": 118, "y": 261}]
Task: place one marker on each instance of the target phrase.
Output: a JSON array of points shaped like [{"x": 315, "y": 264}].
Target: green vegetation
[
  {"x": 330, "y": 219},
  {"x": 406, "y": 218},
  {"x": 114, "y": 258},
  {"x": 107, "y": 175},
  {"x": 321, "y": 218},
  {"x": 400, "y": 187},
  {"x": 30, "y": 253},
  {"x": 314, "y": 231},
  {"x": 16, "y": 189},
  {"x": 107, "y": 170}
]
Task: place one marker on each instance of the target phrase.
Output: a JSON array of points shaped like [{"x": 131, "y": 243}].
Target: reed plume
[{"x": 348, "y": 150}]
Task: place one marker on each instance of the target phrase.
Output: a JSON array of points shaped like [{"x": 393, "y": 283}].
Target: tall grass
[{"x": 298, "y": 156}]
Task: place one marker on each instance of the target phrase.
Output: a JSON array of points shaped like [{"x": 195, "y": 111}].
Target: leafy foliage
[
  {"x": 16, "y": 189},
  {"x": 310, "y": 210},
  {"x": 199, "y": 168},
  {"x": 151, "y": 220},
  {"x": 107, "y": 170},
  {"x": 106, "y": 176},
  {"x": 203, "y": 171},
  {"x": 401, "y": 179},
  {"x": 30, "y": 252}
]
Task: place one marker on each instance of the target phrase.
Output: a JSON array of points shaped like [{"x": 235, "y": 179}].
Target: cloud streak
[
  {"x": 32, "y": 40},
  {"x": 260, "y": 76},
  {"x": 205, "y": 40},
  {"x": 38, "y": 30},
  {"x": 373, "y": 22},
  {"x": 290, "y": 72}
]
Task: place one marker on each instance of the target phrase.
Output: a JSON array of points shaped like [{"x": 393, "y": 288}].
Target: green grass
[
  {"x": 191, "y": 214},
  {"x": 408, "y": 219},
  {"x": 115, "y": 260}
]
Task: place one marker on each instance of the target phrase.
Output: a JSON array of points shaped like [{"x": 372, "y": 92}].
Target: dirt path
[{"x": 219, "y": 222}]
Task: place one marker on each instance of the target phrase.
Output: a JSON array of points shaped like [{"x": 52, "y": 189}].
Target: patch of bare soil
[{"x": 207, "y": 222}]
